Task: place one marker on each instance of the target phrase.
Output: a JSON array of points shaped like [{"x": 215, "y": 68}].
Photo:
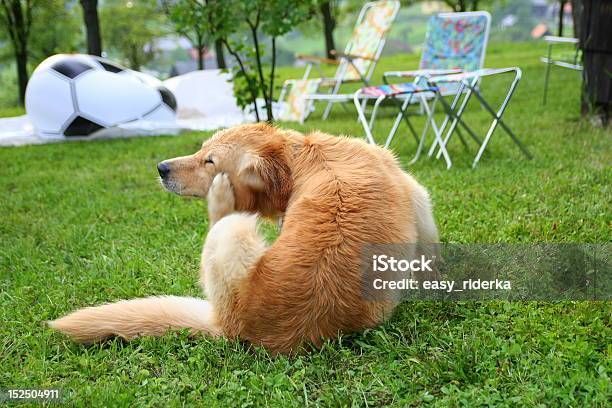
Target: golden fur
[{"x": 335, "y": 193}]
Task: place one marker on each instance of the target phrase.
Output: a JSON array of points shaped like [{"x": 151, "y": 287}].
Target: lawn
[{"x": 86, "y": 223}]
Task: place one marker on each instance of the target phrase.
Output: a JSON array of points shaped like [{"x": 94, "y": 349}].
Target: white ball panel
[
  {"x": 48, "y": 101},
  {"x": 112, "y": 99},
  {"x": 50, "y": 135},
  {"x": 142, "y": 77},
  {"x": 161, "y": 114}
]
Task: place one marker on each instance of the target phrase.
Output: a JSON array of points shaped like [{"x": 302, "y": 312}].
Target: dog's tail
[{"x": 152, "y": 316}]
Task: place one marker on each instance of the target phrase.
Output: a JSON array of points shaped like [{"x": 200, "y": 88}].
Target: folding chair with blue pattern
[{"x": 455, "y": 43}]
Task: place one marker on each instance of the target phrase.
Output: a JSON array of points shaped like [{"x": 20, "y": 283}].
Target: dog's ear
[{"x": 249, "y": 171}]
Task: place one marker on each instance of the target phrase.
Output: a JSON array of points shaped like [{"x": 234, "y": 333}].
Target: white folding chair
[{"x": 355, "y": 64}]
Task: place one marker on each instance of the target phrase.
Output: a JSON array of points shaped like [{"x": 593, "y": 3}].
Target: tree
[
  {"x": 92, "y": 26},
  {"x": 219, "y": 54},
  {"x": 189, "y": 21},
  {"x": 49, "y": 39},
  {"x": 244, "y": 26},
  {"x": 331, "y": 14},
  {"x": 130, "y": 28},
  {"x": 17, "y": 14}
]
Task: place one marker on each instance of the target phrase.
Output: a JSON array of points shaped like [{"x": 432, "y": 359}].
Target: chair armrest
[
  {"x": 351, "y": 56},
  {"x": 560, "y": 40},
  {"x": 420, "y": 73},
  {"x": 464, "y": 76},
  {"x": 316, "y": 60}
]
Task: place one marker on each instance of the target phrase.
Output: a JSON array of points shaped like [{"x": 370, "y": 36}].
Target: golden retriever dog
[{"x": 335, "y": 194}]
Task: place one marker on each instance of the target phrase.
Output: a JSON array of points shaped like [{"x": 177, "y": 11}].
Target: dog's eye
[{"x": 209, "y": 160}]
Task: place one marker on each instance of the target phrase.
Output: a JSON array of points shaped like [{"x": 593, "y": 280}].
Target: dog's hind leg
[
  {"x": 426, "y": 225},
  {"x": 427, "y": 231},
  {"x": 232, "y": 248}
]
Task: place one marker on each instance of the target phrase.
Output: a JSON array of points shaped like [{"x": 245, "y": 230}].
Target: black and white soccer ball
[{"x": 77, "y": 95}]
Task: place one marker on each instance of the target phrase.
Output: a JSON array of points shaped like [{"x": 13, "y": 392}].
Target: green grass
[
  {"x": 7, "y": 112},
  {"x": 85, "y": 223}
]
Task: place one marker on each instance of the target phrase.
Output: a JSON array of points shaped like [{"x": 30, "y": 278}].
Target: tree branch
[
  {"x": 249, "y": 82},
  {"x": 10, "y": 24},
  {"x": 271, "y": 91},
  {"x": 259, "y": 64}
]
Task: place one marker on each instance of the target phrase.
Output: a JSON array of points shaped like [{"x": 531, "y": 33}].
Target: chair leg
[
  {"x": 447, "y": 117},
  {"x": 362, "y": 118},
  {"x": 456, "y": 116},
  {"x": 437, "y": 134},
  {"x": 307, "y": 72},
  {"x": 547, "y": 75},
  {"x": 375, "y": 111},
  {"x": 497, "y": 119},
  {"x": 462, "y": 139},
  {"x": 401, "y": 115},
  {"x": 423, "y": 102},
  {"x": 328, "y": 108}
]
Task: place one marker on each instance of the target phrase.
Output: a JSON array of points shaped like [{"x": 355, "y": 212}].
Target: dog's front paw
[{"x": 221, "y": 201}]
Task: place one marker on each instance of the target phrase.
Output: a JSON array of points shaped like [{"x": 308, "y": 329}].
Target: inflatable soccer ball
[{"x": 76, "y": 95}]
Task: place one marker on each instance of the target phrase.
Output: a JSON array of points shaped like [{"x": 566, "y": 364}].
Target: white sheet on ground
[{"x": 205, "y": 101}]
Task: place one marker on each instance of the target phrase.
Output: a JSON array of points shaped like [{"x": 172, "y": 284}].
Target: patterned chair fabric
[
  {"x": 455, "y": 41},
  {"x": 296, "y": 106},
  {"x": 367, "y": 39},
  {"x": 395, "y": 89}
]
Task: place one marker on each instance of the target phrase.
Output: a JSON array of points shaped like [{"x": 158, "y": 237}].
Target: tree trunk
[
  {"x": 576, "y": 6},
  {"x": 596, "y": 44},
  {"x": 92, "y": 25},
  {"x": 134, "y": 58},
  {"x": 18, "y": 21},
  {"x": 201, "y": 50},
  {"x": 259, "y": 66},
  {"x": 219, "y": 53},
  {"x": 271, "y": 90},
  {"x": 561, "y": 13},
  {"x": 329, "y": 24},
  {"x": 200, "y": 57},
  {"x": 21, "y": 59}
]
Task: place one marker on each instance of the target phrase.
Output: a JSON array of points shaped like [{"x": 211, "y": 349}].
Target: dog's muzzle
[
  {"x": 163, "y": 169},
  {"x": 166, "y": 181}
]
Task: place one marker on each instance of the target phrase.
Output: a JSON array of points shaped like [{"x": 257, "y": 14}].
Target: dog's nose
[{"x": 163, "y": 169}]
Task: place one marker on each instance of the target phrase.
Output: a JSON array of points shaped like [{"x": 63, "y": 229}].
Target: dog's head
[{"x": 256, "y": 158}]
